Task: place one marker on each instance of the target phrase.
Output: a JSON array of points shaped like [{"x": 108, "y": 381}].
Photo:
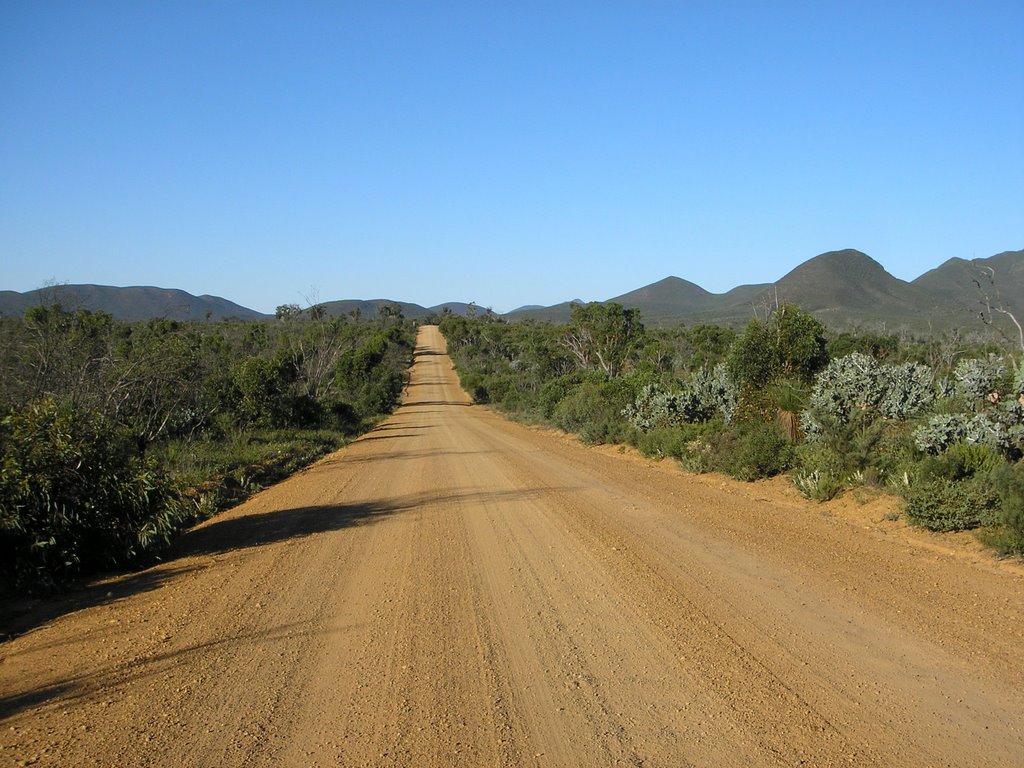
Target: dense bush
[
  {"x": 754, "y": 451},
  {"x": 907, "y": 390},
  {"x": 87, "y": 473},
  {"x": 963, "y": 461},
  {"x": 75, "y": 495},
  {"x": 940, "y": 504},
  {"x": 691, "y": 444},
  {"x": 593, "y": 409},
  {"x": 953, "y": 491},
  {"x": 791, "y": 344},
  {"x": 1007, "y": 531},
  {"x": 975, "y": 378},
  {"x": 992, "y": 421}
]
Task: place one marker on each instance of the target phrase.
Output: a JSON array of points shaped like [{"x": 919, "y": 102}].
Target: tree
[
  {"x": 286, "y": 312},
  {"x": 753, "y": 357},
  {"x": 392, "y": 310},
  {"x": 603, "y": 336},
  {"x": 791, "y": 344},
  {"x": 800, "y": 341},
  {"x": 261, "y": 391}
]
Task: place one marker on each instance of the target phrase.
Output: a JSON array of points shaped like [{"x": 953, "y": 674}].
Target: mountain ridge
[
  {"x": 136, "y": 302},
  {"x": 843, "y": 288}
]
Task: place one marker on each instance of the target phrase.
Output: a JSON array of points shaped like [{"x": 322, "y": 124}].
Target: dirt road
[{"x": 457, "y": 590}]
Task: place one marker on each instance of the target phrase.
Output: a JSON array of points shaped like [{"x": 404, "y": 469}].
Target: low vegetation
[
  {"x": 937, "y": 420},
  {"x": 115, "y": 435}
]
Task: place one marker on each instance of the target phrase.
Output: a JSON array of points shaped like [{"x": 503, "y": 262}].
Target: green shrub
[
  {"x": 689, "y": 443},
  {"x": 75, "y": 496},
  {"x": 594, "y": 409},
  {"x": 962, "y": 461},
  {"x": 753, "y": 359},
  {"x": 974, "y": 378},
  {"x": 953, "y": 491},
  {"x": 755, "y": 451},
  {"x": 941, "y": 504},
  {"x": 707, "y": 394},
  {"x": 260, "y": 389},
  {"x": 475, "y": 384},
  {"x": 862, "y": 447},
  {"x": 1007, "y": 531}
]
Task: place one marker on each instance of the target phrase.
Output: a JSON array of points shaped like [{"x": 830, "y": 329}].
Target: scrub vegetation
[
  {"x": 116, "y": 435},
  {"x": 938, "y": 421}
]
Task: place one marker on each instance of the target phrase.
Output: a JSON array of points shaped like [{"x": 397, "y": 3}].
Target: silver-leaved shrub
[
  {"x": 705, "y": 395},
  {"x": 858, "y": 385},
  {"x": 975, "y": 379}
]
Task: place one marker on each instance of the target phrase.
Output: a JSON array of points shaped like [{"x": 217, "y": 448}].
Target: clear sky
[{"x": 503, "y": 153}]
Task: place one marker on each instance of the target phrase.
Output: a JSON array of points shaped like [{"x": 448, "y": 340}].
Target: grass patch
[{"x": 212, "y": 475}]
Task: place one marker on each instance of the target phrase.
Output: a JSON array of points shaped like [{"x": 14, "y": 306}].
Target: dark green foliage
[
  {"x": 75, "y": 495},
  {"x": 554, "y": 391},
  {"x": 940, "y": 504},
  {"x": 691, "y": 444},
  {"x": 85, "y": 480},
  {"x": 953, "y": 491},
  {"x": 800, "y": 341},
  {"x": 594, "y": 409},
  {"x": 846, "y": 447},
  {"x": 791, "y": 345},
  {"x": 1007, "y": 532},
  {"x": 864, "y": 451},
  {"x": 753, "y": 357},
  {"x": 754, "y": 451},
  {"x": 663, "y": 442},
  {"x": 261, "y": 389},
  {"x": 369, "y": 378},
  {"x": 962, "y": 461},
  {"x": 882, "y": 347},
  {"x": 704, "y": 346}
]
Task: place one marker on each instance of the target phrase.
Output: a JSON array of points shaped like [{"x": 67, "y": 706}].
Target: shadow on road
[
  {"x": 397, "y": 426},
  {"x": 21, "y": 613},
  {"x": 409, "y": 403},
  {"x": 399, "y": 436},
  {"x": 253, "y": 530},
  {"x": 218, "y": 536}
]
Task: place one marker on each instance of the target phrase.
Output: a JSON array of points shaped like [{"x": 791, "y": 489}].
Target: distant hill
[
  {"x": 958, "y": 289},
  {"x": 556, "y": 313},
  {"x": 840, "y": 288},
  {"x": 953, "y": 283},
  {"x": 133, "y": 303},
  {"x": 845, "y": 288},
  {"x": 667, "y": 298},
  {"x": 146, "y": 302},
  {"x": 370, "y": 308}
]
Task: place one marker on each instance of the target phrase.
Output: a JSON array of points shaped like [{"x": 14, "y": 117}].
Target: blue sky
[{"x": 504, "y": 153}]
